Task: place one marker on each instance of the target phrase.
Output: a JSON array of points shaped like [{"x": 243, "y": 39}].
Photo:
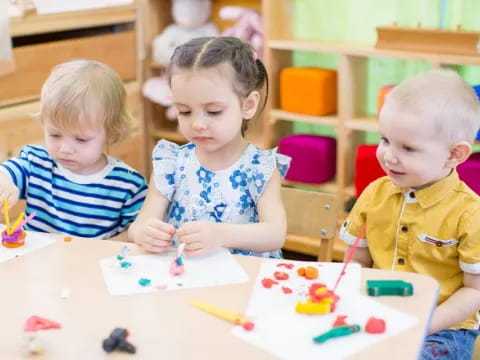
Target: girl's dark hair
[{"x": 205, "y": 52}]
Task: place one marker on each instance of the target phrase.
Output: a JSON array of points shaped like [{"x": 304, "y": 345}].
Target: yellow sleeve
[
  {"x": 352, "y": 225},
  {"x": 469, "y": 244}
]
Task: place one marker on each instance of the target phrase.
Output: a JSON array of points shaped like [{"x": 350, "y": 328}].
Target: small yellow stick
[
  {"x": 228, "y": 315},
  {"x": 15, "y": 224},
  {"x": 7, "y": 218}
]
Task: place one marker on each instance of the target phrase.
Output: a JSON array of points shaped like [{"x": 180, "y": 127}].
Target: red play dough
[{"x": 375, "y": 326}]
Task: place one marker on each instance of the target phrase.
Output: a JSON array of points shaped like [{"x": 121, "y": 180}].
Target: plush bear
[
  {"x": 248, "y": 26},
  {"x": 191, "y": 21}
]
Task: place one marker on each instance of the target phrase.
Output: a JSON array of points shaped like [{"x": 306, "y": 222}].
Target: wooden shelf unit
[
  {"x": 156, "y": 15},
  {"x": 56, "y": 38},
  {"x": 351, "y": 121}
]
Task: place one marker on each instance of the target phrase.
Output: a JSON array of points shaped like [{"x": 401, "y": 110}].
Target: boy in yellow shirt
[{"x": 421, "y": 217}]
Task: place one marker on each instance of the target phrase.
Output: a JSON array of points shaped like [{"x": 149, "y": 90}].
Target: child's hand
[
  {"x": 199, "y": 237},
  {"x": 155, "y": 236},
  {"x": 8, "y": 191}
]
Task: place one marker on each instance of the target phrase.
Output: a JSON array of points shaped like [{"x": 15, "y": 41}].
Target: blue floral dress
[{"x": 224, "y": 196}]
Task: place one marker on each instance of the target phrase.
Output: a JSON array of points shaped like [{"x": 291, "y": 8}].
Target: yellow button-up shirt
[{"x": 433, "y": 231}]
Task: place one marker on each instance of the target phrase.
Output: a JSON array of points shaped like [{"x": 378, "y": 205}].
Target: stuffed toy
[
  {"x": 191, "y": 21},
  {"x": 248, "y": 26}
]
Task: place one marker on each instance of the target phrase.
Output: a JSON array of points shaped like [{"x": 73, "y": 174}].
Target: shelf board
[
  {"x": 277, "y": 114},
  {"x": 32, "y": 23},
  {"x": 368, "y": 50},
  {"x": 171, "y": 135},
  {"x": 367, "y": 123}
]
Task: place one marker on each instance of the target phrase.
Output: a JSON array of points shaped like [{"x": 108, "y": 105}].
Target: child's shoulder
[
  {"x": 166, "y": 149},
  {"x": 267, "y": 158},
  {"x": 124, "y": 172}
]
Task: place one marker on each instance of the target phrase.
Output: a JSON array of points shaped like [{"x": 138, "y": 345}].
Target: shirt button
[
  {"x": 412, "y": 195},
  {"x": 401, "y": 261},
  {"x": 404, "y": 228}
]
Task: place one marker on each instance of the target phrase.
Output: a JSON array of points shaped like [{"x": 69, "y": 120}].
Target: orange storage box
[
  {"x": 309, "y": 91},
  {"x": 382, "y": 92}
]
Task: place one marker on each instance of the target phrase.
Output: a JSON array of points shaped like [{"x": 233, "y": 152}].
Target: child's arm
[
  {"x": 460, "y": 306},
  {"x": 148, "y": 230},
  {"x": 361, "y": 256},
  {"x": 266, "y": 235},
  {"x": 8, "y": 190}
]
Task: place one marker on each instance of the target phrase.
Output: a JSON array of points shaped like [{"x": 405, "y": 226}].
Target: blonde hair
[
  {"x": 85, "y": 91},
  {"x": 444, "y": 97}
]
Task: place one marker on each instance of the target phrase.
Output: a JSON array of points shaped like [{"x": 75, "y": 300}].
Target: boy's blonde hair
[
  {"x": 444, "y": 97},
  {"x": 85, "y": 91}
]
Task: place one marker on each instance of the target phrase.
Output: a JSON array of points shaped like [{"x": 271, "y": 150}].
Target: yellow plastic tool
[{"x": 225, "y": 314}]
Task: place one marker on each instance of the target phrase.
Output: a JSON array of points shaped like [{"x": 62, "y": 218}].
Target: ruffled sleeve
[
  {"x": 264, "y": 162},
  {"x": 164, "y": 156}
]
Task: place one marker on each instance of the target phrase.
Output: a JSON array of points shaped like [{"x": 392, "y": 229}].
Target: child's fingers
[
  {"x": 163, "y": 226},
  {"x": 157, "y": 234},
  {"x": 152, "y": 246}
]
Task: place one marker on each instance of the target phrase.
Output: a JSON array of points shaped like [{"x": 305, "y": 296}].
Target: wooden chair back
[{"x": 311, "y": 222}]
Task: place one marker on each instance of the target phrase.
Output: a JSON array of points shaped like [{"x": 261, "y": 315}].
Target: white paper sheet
[
  {"x": 33, "y": 241},
  {"x": 56, "y": 6},
  {"x": 274, "y": 300},
  {"x": 217, "y": 268},
  {"x": 280, "y": 331}
]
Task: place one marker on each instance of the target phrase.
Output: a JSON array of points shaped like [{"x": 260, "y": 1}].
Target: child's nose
[
  {"x": 65, "y": 147},
  {"x": 390, "y": 156},
  {"x": 200, "y": 123}
]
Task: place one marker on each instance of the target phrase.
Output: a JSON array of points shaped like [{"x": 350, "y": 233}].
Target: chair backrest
[{"x": 311, "y": 222}]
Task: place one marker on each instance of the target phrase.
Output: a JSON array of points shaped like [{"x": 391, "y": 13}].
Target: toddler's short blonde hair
[
  {"x": 85, "y": 91},
  {"x": 444, "y": 97}
]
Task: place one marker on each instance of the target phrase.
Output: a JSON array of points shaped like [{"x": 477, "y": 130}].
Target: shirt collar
[{"x": 432, "y": 194}]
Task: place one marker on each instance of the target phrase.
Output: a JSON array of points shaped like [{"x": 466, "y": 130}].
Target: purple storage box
[
  {"x": 469, "y": 172},
  {"x": 313, "y": 157}
]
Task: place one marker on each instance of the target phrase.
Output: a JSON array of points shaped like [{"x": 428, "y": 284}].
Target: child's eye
[
  {"x": 408, "y": 148},
  {"x": 81, "y": 140},
  {"x": 384, "y": 140},
  {"x": 214, "y": 113},
  {"x": 55, "y": 136},
  {"x": 183, "y": 113}
]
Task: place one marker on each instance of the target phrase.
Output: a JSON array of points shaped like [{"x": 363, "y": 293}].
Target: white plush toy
[{"x": 191, "y": 21}]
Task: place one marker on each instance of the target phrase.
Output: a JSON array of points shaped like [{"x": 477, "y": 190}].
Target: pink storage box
[
  {"x": 469, "y": 172},
  {"x": 313, "y": 157}
]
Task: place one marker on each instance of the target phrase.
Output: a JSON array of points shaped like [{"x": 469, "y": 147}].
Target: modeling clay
[
  {"x": 340, "y": 321},
  {"x": 286, "y": 290},
  {"x": 144, "y": 281},
  {"x": 375, "y": 326},
  {"x": 288, "y": 266},
  {"x": 268, "y": 283},
  {"x": 280, "y": 275}
]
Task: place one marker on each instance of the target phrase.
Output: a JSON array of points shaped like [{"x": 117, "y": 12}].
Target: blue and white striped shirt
[{"x": 99, "y": 205}]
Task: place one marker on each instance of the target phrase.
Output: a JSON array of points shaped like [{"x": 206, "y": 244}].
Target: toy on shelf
[
  {"x": 248, "y": 26},
  {"x": 314, "y": 157},
  {"x": 367, "y": 168},
  {"x": 389, "y": 287},
  {"x": 14, "y": 236},
  {"x": 309, "y": 91},
  {"x": 382, "y": 92},
  {"x": 191, "y": 21}
]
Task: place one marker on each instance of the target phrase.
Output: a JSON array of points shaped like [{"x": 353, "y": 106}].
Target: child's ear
[
  {"x": 459, "y": 152},
  {"x": 250, "y": 104}
]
